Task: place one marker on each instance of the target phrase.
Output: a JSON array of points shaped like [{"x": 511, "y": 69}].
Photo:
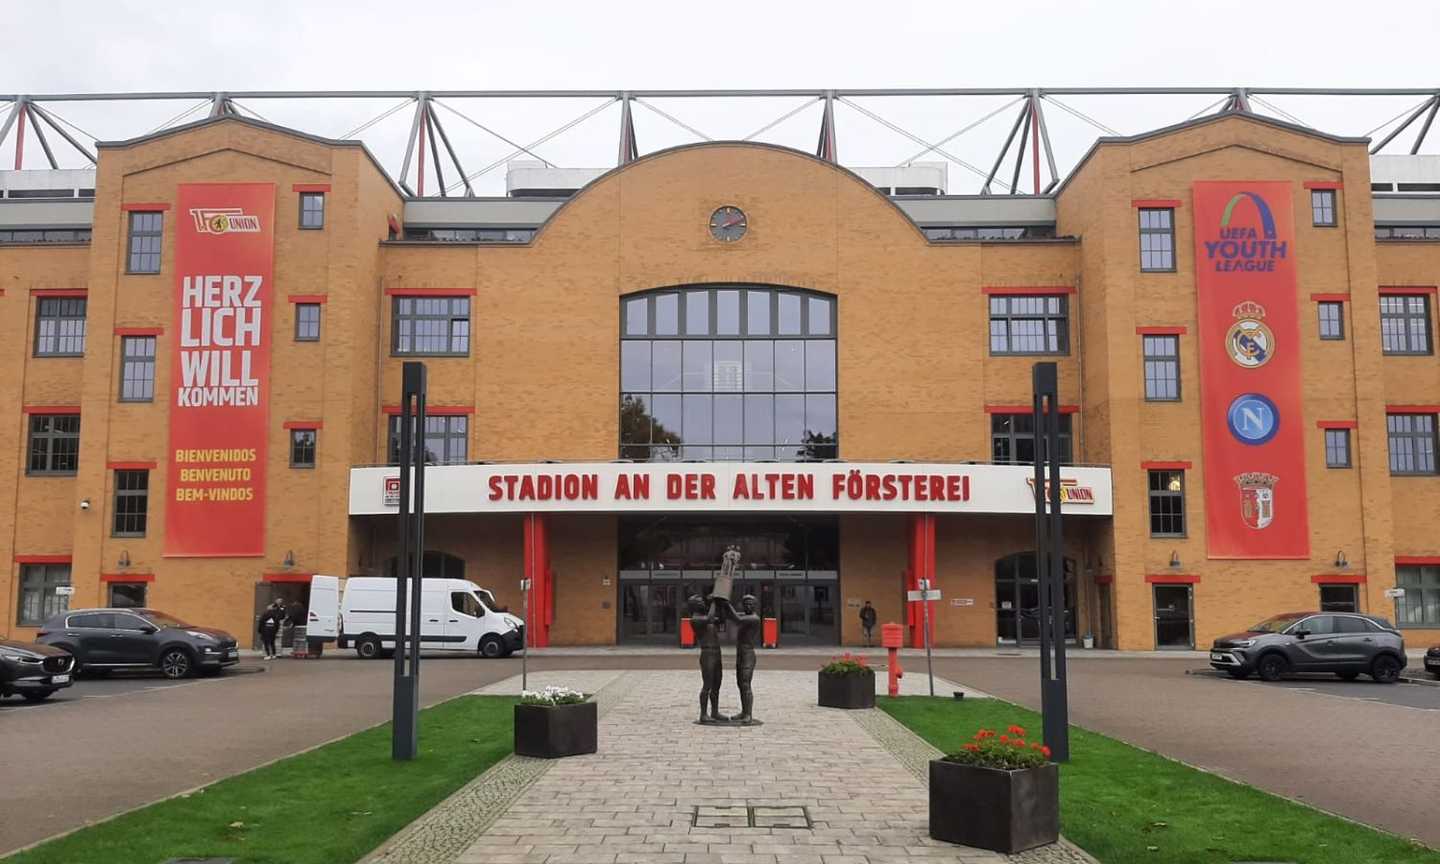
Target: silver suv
[{"x": 1345, "y": 643}]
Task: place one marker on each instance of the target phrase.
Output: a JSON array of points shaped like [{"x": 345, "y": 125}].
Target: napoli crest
[
  {"x": 1257, "y": 498},
  {"x": 1253, "y": 419},
  {"x": 1249, "y": 342}
]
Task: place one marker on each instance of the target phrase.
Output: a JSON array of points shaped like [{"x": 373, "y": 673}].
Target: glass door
[
  {"x": 1174, "y": 625},
  {"x": 634, "y": 601},
  {"x": 1338, "y": 598},
  {"x": 794, "y": 609}
]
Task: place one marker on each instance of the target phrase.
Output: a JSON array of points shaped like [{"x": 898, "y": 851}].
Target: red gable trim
[
  {"x": 127, "y": 577},
  {"x": 309, "y": 298},
  {"x": 1330, "y": 298},
  {"x": 1412, "y": 409},
  {"x": 1161, "y": 331},
  {"x": 50, "y": 409},
  {"x": 1407, "y": 289},
  {"x": 1165, "y": 466},
  {"x": 130, "y": 466},
  {"x": 1026, "y": 409},
  {"x": 1027, "y": 289},
  {"x": 42, "y": 559},
  {"x": 145, "y": 207},
  {"x": 1338, "y": 579},
  {"x": 287, "y": 577},
  {"x": 139, "y": 331},
  {"x": 303, "y": 424},
  {"x": 429, "y": 292},
  {"x": 1337, "y": 424},
  {"x": 1171, "y": 579},
  {"x": 444, "y": 410},
  {"x": 1324, "y": 184},
  {"x": 1155, "y": 203},
  {"x": 310, "y": 187},
  {"x": 1401, "y": 560},
  {"x": 59, "y": 292}
]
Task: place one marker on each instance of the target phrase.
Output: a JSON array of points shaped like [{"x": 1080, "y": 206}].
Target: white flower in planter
[{"x": 552, "y": 695}]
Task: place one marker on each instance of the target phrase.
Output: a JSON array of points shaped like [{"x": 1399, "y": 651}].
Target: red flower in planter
[
  {"x": 973, "y": 748},
  {"x": 1017, "y": 730},
  {"x": 1004, "y": 739},
  {"x": 1045, "y": 751}
]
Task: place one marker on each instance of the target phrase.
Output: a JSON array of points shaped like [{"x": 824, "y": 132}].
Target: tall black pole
[
  {"x": 405, "y": 726},
  {"x": 1049, "y": 562}
]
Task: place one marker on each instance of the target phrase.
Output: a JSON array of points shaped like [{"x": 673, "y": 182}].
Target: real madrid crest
[{"x": 1249, "y": 342}]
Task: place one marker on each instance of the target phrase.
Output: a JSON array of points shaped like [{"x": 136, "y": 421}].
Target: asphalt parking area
[
  {"x": 118, "y": 684},
  {"x": 1421, "y": 695}
]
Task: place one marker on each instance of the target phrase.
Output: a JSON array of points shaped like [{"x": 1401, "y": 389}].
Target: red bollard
[{"x": 892, "y": 637}]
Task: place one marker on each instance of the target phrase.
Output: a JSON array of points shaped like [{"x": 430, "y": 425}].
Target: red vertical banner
[
  {"x": 1249, "y": 348},
  {"x": 220, "y": 372}
]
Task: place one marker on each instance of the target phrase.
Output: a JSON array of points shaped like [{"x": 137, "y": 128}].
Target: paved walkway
[{"x": 810, "y": 786}]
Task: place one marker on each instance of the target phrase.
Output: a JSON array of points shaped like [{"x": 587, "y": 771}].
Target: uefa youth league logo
[{"x": 1249, "y": 342}]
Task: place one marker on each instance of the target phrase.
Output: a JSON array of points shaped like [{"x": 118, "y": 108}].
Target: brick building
[{"x": 758, "y": 335}]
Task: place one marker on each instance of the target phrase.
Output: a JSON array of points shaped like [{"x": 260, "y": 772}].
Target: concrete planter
[
  {"x": 1005, "y": 811},
  {"x": 848, "y": 691},
  {"x": 550, "y": 732}
]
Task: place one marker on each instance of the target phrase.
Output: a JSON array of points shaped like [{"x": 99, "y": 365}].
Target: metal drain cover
[{"x": 744, "y": 816}]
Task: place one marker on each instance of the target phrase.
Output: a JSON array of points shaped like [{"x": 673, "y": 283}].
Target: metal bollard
[{"x": 892, "y": 637}]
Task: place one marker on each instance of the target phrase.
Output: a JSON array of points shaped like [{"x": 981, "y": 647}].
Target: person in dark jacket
[
  {"x": 270, "y": 621},
  {"x": 867, "y": 620}
]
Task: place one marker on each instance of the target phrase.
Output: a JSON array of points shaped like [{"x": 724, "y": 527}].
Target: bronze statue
[
  {"x": 747, "y": 633},
  {"x": 705, "y": 620}
]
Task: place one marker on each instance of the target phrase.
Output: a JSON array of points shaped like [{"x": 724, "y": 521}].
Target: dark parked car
[
  {"x": 1432, "y": 661},
  {"x": 1344, "y": 643},
  {"x": 107, "y": 639},
  {"x": 33, "y": 671}
]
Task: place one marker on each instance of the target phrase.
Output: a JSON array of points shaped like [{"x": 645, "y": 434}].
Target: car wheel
[
  {"x": 1347, "y": 676},
  {"x": 491, "y": 647},
  {"x": 367, "y": 647},
  {"x": 1272, "y": 667},
  {"x": 1385, "y": 669},
  {"x": 36, "y": 695},
  {"x": 175, "y": 663},
  {"x": 1238, "y": 674}
]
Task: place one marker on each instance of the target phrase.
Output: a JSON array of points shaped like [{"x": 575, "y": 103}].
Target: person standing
[
  {"x": 270, "y": 625},
  {"x": 867, "y": 621}
]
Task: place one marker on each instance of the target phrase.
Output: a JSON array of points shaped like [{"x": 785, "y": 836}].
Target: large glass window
[
  {"x": 137, "y": 368},
  {"x": 1157, "y": 239},
  {"x": 446, "y": 440},
  {"x": 54, "y": 444},
  {"x": 307, "y": 322},
  {"x": 435, "y": 326},
  {"x": 38, "y": 597},
  {"x": 1162, "y": 368},
  {"x": 1420, "y": 605},
  {"x": 1405, "y": 324},
  {"x": 1025, "y": 324},
  {"x": 1012, "y": 438},
  {"x": 728, "y": 373},
  {"x": 60, "y": 327},
  {"x": 1412, "y": 443},
  {"x": 1167, "y": 503}
]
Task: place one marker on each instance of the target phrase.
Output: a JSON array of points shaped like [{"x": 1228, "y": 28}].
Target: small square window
[
  {"x": 312, "y": 210},
  {"x": 147, "y": 230},
  {"x": 307, "y": 322},
  {"x": 1332, "y": 320},
  {"x": 1337, "y": 448},
  {"x": 126, "y": 595},
  {"x": 1322, "y": 207},
  {"x": 302, "y": 448},
  {"x": 1162, "y": 368}
]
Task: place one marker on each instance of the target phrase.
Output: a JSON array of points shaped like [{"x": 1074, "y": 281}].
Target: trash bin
[
  {"x": 770, "y": 632},
  {"x": 687, "y": 633},
  {"x": 299, "y": 645}
]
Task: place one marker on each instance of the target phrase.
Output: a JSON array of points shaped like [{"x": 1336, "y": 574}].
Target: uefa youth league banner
[
  {"x": 220, "y": 375},
  {"x": 1249, "y": 347}
]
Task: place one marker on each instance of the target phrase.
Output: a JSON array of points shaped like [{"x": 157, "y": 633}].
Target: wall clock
[{"x": 728, "y": 224}]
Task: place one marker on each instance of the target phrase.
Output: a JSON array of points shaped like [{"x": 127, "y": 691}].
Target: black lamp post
[
  {"x": 405, "y": 722},
  {"x": 1049, "y": 566}
]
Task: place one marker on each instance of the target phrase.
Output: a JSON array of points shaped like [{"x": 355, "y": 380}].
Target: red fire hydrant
[{"x": 892, "y": 637}]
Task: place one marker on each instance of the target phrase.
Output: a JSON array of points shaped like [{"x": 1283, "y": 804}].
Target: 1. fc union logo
[
  {"x": 1249, "y": 342},
  {"x": 224, "y": 220},
  {"x": 1257, "y": 498}
]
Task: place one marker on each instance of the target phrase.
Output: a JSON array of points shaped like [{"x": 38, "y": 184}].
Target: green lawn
[
  {"x": 1124, "y": 805},
  {"x": 330, "y": 805}
]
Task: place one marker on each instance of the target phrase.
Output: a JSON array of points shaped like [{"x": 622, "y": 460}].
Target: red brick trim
[
  {"x": 303, "y": 424},
  {"x": 1324, "y": 184},
  {"x": 42, "y": 559},
  {"x": 59, "y": 292},
  {"x": 1330, "y": 298},
  {"x": 50, "y": 409},
  {"x": 429, "y": 292},
  {"x": 1416, "y": 559},
  {"x": 139, "y": 331},
  {"x": 1165, "y": 466},
  {"x": 1026, "y": 409},
  {"x": 1337, "y": 424},
  {"x": 145, "y": 206},
  {"x": 1156, "y": 203},
  {"x": 1171, "y": 579},
  {"x": 127, "y": 577},
  {"x": 310, "y": 187},
  {"x": 1407, "y": 289},
  {"x": 1412, "y": 409},
  {"x": 444, "y": 410},
  {"x": 1338, "y": 578},
  {"x": 131, "y": 466},
  {"x": 287, "y": 577},
  {"x": 309, "y": 298},
  {"x": 1161, "y": 331},
  {"x": 1028, "y": 290}
]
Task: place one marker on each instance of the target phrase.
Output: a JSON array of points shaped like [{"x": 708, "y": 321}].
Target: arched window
[
  {"x": 727, "y": 372},
  {"x": 434, "y": 565}
]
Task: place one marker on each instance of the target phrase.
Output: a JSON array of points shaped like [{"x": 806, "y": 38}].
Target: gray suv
[{"x": 1344, "y": 643}]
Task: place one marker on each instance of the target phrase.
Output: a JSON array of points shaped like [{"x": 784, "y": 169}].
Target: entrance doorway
[
  {"x": 1339, "y": 598},
  {"x": 1017, "y": 600},
  {"x": 1174, "y": 618},
  {"x": 650, "y": 611}
]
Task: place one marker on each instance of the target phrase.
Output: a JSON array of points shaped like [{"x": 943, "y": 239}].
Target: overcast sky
[{"x": 121, "y": 45}]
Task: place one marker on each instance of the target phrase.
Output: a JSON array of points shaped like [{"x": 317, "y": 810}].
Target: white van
[{"x": 455, "y": 615}]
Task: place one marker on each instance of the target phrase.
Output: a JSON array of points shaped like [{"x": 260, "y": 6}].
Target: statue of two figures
[{"x": 706, "y": 614}]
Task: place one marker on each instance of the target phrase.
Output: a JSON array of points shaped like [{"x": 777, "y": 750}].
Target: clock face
[{"x": 728, "y": 224}]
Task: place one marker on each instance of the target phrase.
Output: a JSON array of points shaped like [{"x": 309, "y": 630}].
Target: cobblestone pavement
[{"x": 657, "y": 774}]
